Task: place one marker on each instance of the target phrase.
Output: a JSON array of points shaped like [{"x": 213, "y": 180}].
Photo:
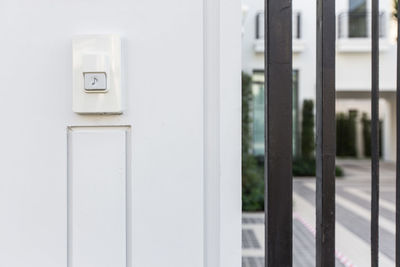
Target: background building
[{"x": 353, "y": 65}]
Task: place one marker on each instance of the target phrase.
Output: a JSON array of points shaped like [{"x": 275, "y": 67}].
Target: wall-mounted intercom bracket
[{"x": 97, "y": 74}]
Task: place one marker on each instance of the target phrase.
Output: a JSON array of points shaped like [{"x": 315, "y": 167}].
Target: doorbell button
[{"x": 95, "y": 81}]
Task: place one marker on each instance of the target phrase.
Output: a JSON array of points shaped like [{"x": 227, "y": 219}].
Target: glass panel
[
  {"x": 258, "y": 113},
  {"x": 258, "y": 118},
  {"x": 358, "y": 5},
  {"x": 357, "y": 18}
]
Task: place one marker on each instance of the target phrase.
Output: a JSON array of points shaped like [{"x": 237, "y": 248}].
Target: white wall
[{"x": 165, "y": 58}]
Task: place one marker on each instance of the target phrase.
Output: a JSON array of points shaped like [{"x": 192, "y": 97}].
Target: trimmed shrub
[
  {"x": 252, "y": 174},
  {"x": 346, "y": 134},
  {"x": 303, "y": 167},
  {"x": 306, "y": 167},
  {"x": 366, "y": 132},
  {"x": 307, "y": 130},
  {"x": 252, "y": 185},
  {"x": 247, "y": 98}
]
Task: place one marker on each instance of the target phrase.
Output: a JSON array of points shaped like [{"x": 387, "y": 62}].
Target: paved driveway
[{"x": 352, "y": 220}]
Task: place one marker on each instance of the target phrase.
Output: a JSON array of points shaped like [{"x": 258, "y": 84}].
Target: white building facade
[{"x": 353, "y": 64}]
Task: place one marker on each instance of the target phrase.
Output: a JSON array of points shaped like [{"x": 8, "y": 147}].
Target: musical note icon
[{"x": 94, "y": 81}]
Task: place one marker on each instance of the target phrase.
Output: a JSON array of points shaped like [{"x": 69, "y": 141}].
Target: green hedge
[
  {"x": 252, "y": 185},
  {"x": 252, "y": 174},
  {"x": 346, "y": 134},
  {"x": 307, "y": 130},
  {"x": 366, "y": 132},
  {"x": 306, "y": 168},
  {"x": 305, "y": 165}
]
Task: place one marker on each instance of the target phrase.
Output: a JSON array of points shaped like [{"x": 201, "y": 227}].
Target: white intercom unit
[{"x": 97, "y": 74}]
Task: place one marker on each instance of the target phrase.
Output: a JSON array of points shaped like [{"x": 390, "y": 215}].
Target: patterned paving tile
[
  {"x": 359, "y": 226},
  {"x": 357, "y": 177},
  {"x": 249, "y": 239},
  {"x": 253, "y": 262},
  {"x": 251, "y": 220},
  {"x": 303, "y": 247}
]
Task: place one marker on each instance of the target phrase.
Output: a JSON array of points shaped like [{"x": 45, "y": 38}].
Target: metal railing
[
  {"x": 278, "y": 134},
  {"x": 358, "y": 25}
]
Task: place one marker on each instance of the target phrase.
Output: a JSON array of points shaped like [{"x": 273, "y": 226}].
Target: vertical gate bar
[
  {"x": 326, "y": 134},
  {"x": 398, "y": 144},
  {"x": 278, "y": 133},
  {"x": 375, "y": 136}
]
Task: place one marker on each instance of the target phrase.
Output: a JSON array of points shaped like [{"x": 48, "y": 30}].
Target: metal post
[
  {"x": 326, "y": 137},
  {"x": 375, "y": 136},
  {"x": 398, "y": 146},
  {"x": 278, "y": 133}
]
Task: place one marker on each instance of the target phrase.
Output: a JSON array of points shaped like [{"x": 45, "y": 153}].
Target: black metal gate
[{"x": 278, "y": 138}]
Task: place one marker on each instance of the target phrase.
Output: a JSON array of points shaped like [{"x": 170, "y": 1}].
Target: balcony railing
[
  {"x": 358, "y": 25},
  {"x": 296, "y": 25}
]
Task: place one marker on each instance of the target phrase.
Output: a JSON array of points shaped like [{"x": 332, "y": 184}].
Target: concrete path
[{"x": 352, "y": 220}]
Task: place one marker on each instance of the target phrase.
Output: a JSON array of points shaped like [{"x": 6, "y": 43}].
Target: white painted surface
[
  {"x": 163, "y": 65},
  {"x": 222, "y": 134},
  {"x": 230, "y": 133},
  {"x": 97, "y": 197}
]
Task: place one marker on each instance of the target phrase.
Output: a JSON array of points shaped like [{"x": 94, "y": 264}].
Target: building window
[
  {"x": 356, "y": 23},
  {"x": 258, "y": 119},
  {"x": 357, "y": 18},
  {"x": 258, "y": 113}
]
